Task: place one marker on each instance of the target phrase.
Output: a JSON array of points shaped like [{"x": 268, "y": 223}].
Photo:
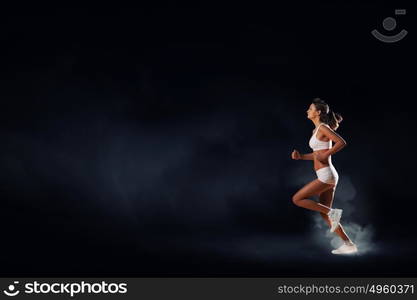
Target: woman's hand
[
  {"x": 295, "y": 155},
  {"x": 321, "y": 157}
]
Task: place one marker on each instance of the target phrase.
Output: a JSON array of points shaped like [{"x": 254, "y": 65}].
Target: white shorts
[{"x": 328, "y": 175}]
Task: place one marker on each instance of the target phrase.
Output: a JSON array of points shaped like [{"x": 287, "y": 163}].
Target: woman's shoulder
[{"x": 327, "y": 125}]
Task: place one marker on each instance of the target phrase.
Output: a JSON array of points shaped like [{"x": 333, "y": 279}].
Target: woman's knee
[{"x": 296, "y": 200}]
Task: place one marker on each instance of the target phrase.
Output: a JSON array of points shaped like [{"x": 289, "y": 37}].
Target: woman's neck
[{"x": 317, "y": 123}]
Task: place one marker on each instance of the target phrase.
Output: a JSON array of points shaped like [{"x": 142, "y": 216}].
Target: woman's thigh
[
  {"x": 315, "y": 187},
  {"x": 326, "y": 197}
]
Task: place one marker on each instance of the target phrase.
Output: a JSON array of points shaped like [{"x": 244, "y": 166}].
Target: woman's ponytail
[{"x": 327, "y": 115}]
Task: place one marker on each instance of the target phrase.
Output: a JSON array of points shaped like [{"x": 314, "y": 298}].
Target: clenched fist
[{"x": 295, "y": 155}]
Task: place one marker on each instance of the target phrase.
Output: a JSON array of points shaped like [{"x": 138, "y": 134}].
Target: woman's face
[{"x": 312, "y": 112}]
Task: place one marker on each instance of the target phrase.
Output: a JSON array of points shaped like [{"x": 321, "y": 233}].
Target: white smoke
[
  {"x": 361, "y": 235},
  {"x": 345, "y": 198}
]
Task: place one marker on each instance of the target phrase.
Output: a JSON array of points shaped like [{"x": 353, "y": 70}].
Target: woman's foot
[
  {"x": 334, "y": 217},
  {"x": 348, "y": 247}
]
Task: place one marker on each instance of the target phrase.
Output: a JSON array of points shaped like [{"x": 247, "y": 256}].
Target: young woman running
[{"x": 326, "y": 122}]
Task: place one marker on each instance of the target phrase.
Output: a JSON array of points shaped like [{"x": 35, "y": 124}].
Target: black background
[{"x": 156, "y": 140}]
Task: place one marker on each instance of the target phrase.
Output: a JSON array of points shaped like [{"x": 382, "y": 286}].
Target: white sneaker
[
  {"x": 334, "y": 216},
  {"x": 346, "y": 248}
]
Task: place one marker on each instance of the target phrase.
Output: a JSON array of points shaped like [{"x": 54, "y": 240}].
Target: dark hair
[{"x": 326, "y": 114}]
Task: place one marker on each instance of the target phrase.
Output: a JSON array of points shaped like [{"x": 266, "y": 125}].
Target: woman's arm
[
  {"x": 337, "y": 139},
  {"x": 336, "y": 147},
  {"x": 308, "y": 156}
]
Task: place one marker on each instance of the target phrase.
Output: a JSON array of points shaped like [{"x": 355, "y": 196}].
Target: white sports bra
[{"x": 316, "y": 144}]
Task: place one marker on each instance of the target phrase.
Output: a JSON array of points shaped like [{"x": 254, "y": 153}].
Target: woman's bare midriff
[{"x": 318, "y": 164}]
